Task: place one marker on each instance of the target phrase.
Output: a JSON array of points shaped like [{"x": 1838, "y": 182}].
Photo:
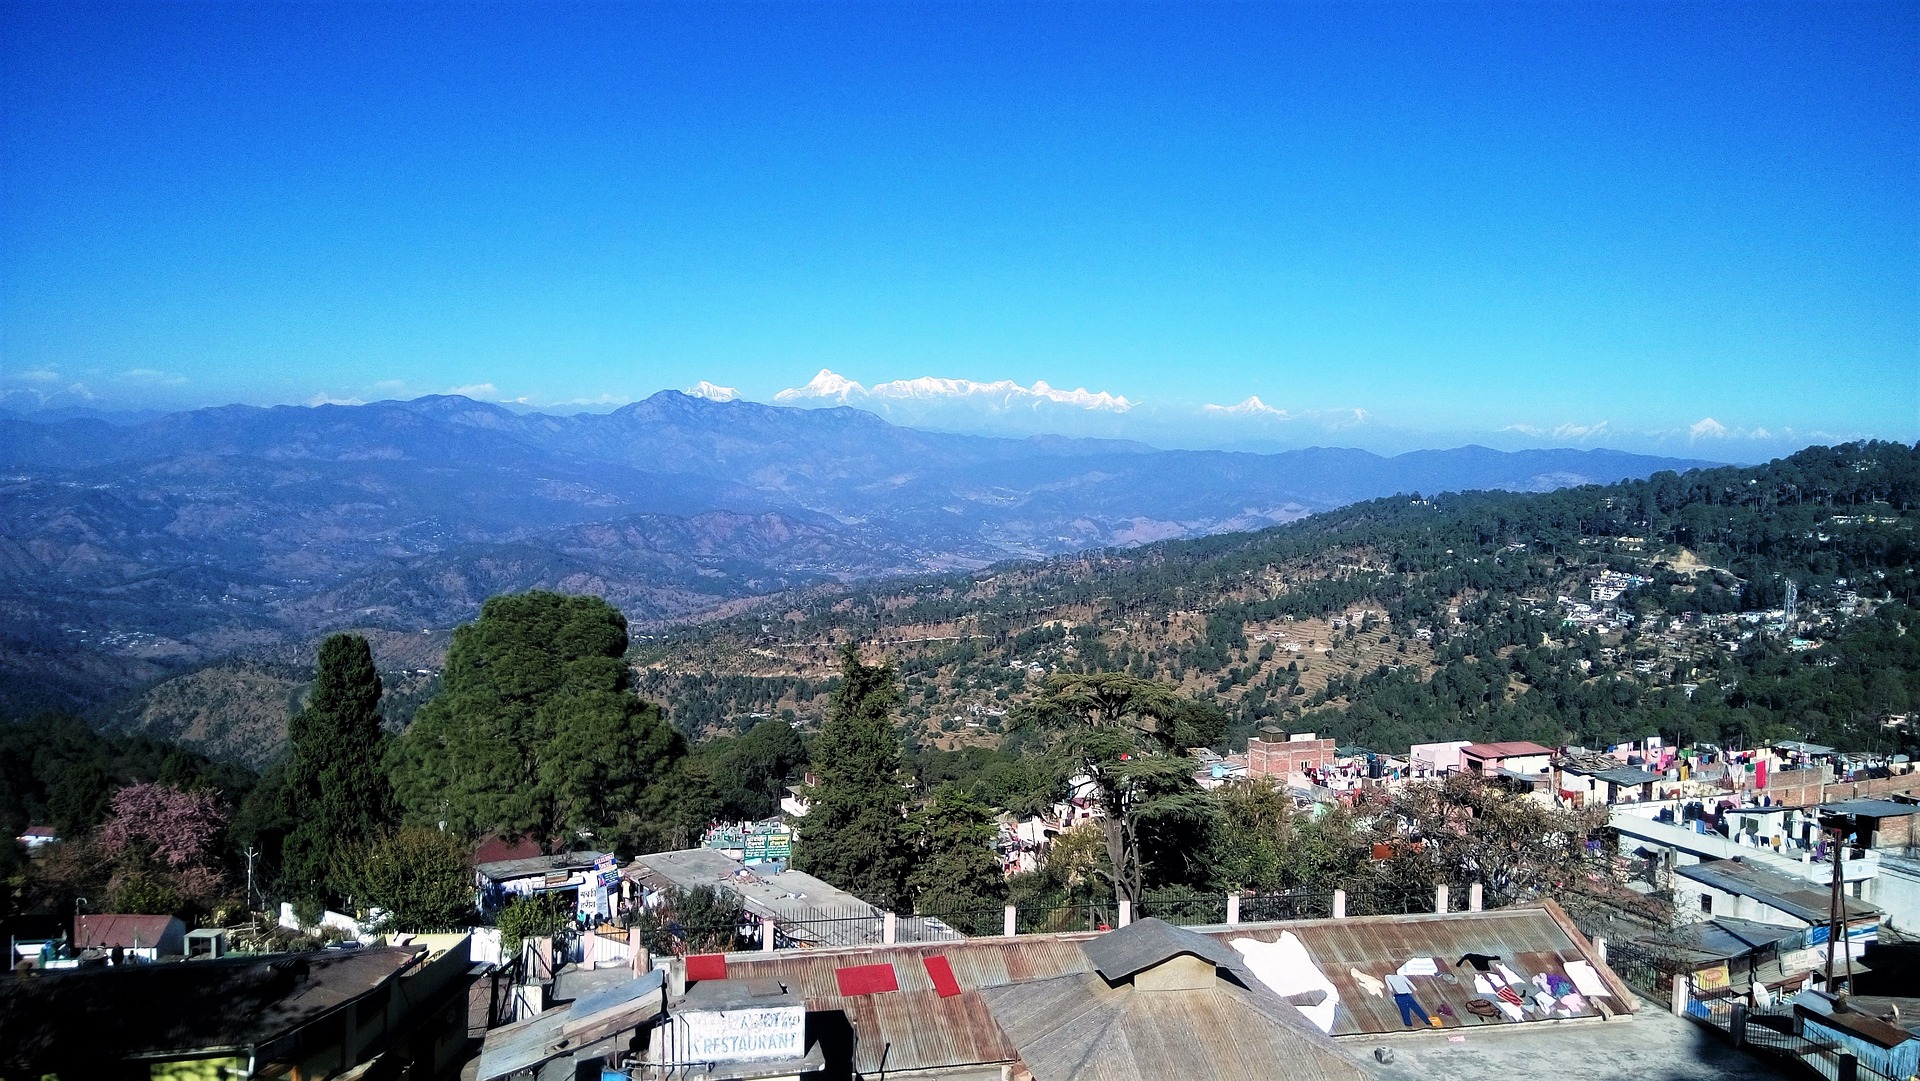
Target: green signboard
[{"x": 761, "y": 846}]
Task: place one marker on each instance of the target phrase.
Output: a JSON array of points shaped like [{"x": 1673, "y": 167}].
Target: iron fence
[
  {"x": 1190, "y": 910},
  {"x": 1286, "y": 905},
  {"x": 1774, "y": 1031},
  {"x": 1079, "y": 916},
  {"x": 1389, "y": 900}
]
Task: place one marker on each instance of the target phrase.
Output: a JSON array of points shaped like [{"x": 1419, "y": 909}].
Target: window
[{"x": 1706, "y": 903}]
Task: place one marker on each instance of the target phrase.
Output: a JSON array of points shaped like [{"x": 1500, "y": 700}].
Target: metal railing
[
  {"x": 864, "y": 925},
  {"x": 1776, "y": 1031}
]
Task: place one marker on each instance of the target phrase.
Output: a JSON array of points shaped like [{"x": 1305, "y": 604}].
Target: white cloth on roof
[
  {"x": 1509, "y": 975},
  {"x": 1399, "y": 984},
  {"x": 1508, "y": 1008},
  {"x": 1419, "y": 966},
  {"x": 1287, "y": 969},
  {"x": 1372, "y": 984},
  {"x": 1587, "y": 980},
  {"x": 1484, "y": 985}
]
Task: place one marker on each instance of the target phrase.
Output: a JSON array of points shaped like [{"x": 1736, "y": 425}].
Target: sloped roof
[
  {"x": 80, "y": 1022},
  {"x": 1626, "y": 775},
  {"x": 1798, "y": 897},
  {"x": 1079, "y": 1028},
  {"x": 1722, "y": 938},
  {"x": 496, "y": 849},
  {"x": 1533, "y": 939},
  {"x": 1871, "y": 808},
  {"x": 807, "y": 908},
  {"x": 107, "y": 931},
  {"x": 1120, "y": 954},
  {"x": 564, "y": 862},
  {"x": 915, "y": 1028}
]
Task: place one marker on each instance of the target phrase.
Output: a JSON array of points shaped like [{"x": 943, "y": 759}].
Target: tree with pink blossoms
[{"x": 162, "y": 839}]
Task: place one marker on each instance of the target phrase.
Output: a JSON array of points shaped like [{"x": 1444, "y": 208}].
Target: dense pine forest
[{"x": 1453, "y": 616}]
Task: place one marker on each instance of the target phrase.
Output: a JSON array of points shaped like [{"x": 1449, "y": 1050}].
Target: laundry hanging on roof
[
  {"x": 1586, "y": 980},
  {"x": 1479, "y": 961},
  {"x": 1419, "y": 966}
]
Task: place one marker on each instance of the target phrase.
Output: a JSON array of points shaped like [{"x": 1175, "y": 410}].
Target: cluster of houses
[{"x": 1746, "y": 845}]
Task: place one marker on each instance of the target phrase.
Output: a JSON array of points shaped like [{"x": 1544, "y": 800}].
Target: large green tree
[
  {"x": 335, "y": 792},
  {"x": 1127, "y": 736},
  {"x": 420, "y": 880},
  {"x": 536, "y": 731},
  {"x": 957, "y": 874},
  {"x": 855, "y": 833}
]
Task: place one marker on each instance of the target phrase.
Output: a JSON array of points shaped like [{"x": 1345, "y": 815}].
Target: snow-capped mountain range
[{"x": 830, "y": 386}]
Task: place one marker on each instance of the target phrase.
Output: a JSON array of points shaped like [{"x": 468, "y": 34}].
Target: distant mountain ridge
[{"x": 131, "y": 549}]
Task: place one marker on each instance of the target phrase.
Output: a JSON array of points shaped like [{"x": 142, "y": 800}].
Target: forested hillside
[{"x": 1584, "y": 614}]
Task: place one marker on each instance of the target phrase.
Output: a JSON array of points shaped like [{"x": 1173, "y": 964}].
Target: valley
[{"x": 137, "y": 551}]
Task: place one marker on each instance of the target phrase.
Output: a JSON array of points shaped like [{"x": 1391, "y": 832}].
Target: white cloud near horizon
[{"x": 151, "y": 377}]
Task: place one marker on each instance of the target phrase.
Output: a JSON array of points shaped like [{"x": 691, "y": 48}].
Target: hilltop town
[{"x": 1641, "y": 748}]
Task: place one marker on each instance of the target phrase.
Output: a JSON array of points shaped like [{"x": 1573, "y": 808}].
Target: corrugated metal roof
[
  {"x": 1149, "y": 941},
  {"x": 108, "y": 930},
  {"x": 1532, "y": 939},
  {"x": 914, "y": 1028},
  {"x": 1080, "y": 1028},
  {"x": 806, "y": 908},
  {"x": 507, "y": 870},
  {"x": 1625, "y": 775},
  {"x": 1797, "y": 897},
  {"x": 1722, "y": 938},
  {"x": 1871, "y": 808}
]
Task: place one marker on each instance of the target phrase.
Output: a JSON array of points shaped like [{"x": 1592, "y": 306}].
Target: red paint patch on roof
[
  {"x": 942, "y": 975},
  {"x": 706, "y": 966},
  {"x": 866, "y": 979}
]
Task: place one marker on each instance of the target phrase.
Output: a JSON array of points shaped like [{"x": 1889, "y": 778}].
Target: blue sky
[{"x": 1509, "y": 222}]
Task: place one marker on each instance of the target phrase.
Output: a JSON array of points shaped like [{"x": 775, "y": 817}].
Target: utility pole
[
  {"x": 251, "y": 853},
  {"x": 1837, "y": 905}
]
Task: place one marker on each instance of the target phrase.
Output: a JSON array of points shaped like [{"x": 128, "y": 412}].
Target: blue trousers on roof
[{"x": 1409, "y": 1007}]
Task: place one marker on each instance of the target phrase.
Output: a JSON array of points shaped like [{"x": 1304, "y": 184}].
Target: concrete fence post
[
  {"x": 1233, "y": 909},
  {"x": 1679, "y": 1002},
  {"x": 1476, "y": 897},
  {"x": 1440, "y": 899},
  {"x": 1600, "y": 949},
  {"x": 1847, "y": 1068},
  {"x": 1126, "y": 913},
  {"x": 1339, "y": 904},
  {"x": 1737, "y": 1024},
  {"x": 1010, "y": 922},
  {"x": 766, "y": 934},
  {"x": 889, "y": 928}
]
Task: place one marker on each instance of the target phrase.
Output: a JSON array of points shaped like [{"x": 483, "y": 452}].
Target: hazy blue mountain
[{"x": 129, "y": 548}]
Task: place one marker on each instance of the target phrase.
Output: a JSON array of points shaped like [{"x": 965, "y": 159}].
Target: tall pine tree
[
  {"x": 958, "y": 874},
  {"x": 536, "y": 731},
  {"x": 855, "y": 835},
  {"x": 336, "y": 790}
]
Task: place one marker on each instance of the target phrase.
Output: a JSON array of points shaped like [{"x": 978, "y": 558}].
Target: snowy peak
[
  {"x": 827, "y": 385},
  {"x": 1252, "y": 407},
  {"x": 931, "y": 390},
  {"x": 710, "y": 392}
]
